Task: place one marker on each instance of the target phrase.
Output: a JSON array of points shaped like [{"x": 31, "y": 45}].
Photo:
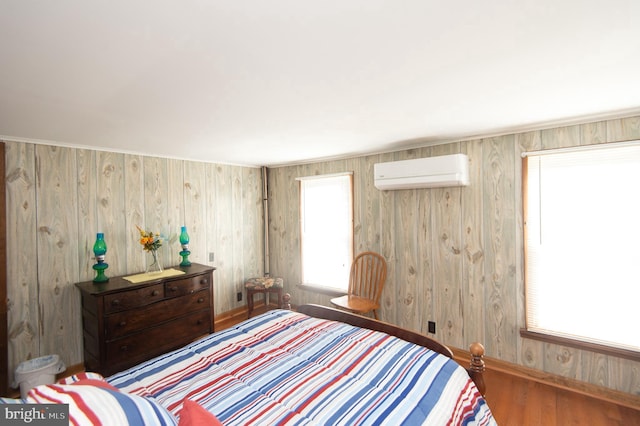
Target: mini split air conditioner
[{"x": 431, "y": 172}]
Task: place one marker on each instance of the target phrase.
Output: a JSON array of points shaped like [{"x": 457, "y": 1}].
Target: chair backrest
[{"x": 368, "y": 275}]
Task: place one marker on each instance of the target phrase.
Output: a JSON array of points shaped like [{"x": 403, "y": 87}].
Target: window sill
[
  {"x": 321, "y": 290},
  {"x": 579, "y": 344}
]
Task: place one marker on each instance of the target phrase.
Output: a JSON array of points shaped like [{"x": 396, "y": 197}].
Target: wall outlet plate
[{"x": 431, "y": 327}]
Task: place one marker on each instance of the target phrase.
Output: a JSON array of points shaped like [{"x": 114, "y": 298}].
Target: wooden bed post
[
  {"x": 476, "y": 368},
  {"x": 286, "y": 301}
]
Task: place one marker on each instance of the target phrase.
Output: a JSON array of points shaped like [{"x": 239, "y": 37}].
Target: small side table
[{"x": 264, "y": 285}]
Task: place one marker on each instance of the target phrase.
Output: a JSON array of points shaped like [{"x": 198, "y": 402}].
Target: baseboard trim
[
  {"x": 240, "y": 313},
  {"x": 573, "y": 385},
  {"x": 232, "y": 315}
]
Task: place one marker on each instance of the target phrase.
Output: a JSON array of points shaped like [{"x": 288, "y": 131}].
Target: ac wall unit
[{"x": 431, "y": 172}]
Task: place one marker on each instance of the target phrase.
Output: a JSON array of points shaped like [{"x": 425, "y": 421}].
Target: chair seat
[
  {"x": 356, "y": 304},
  {"x": 262, "y": 283}
]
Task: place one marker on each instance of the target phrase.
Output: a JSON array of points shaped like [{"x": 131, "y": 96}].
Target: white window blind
[
  {"x": 583, "y": 244},
  {"x": 326, "y": 229}
]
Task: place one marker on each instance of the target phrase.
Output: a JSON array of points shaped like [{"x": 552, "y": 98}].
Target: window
[
  {"x": 582, "y": 232},
  {"x": 326, "y": 229}
]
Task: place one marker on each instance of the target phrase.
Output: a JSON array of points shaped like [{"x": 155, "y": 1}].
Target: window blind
[
  {"x": 583, "y": 244},
  {"x": 326, "y": 229}
]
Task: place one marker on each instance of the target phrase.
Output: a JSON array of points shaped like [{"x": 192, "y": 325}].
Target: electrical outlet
[
  {"x": 239, "y": 296},
  {"x": 210, "y": 256},
  {"x": 431, "y": 327}
]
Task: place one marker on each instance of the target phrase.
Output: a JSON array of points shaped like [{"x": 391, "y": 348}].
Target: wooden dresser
[{"x": 124, "y": 324}]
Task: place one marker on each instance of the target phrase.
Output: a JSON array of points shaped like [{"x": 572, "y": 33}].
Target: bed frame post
[
  {"x": 476, "y": 368},
  {"x": 286, "y": 301}
]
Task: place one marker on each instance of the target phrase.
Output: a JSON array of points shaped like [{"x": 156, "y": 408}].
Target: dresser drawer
[
  {"x": 129, "y": 299},
  {"x": 130, "y": 350},
  {"x": 177, "y": 288},
  {"x": 122, "y": 323}
]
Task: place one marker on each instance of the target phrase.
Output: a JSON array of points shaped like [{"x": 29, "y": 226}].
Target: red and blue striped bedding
[{"x": 284, "y": 367}]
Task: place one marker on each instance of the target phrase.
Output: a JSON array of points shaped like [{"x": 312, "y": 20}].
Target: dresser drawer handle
[
  {"x": 200, "y": 299},
  {"x": 174, "y": 288},
  {"x": 124, "y": 348},
  {"x": 115, "y": 302},
  {"x": 204, "y": 281},
  {"x": 199, "y": 322},
  {"x": 155, "y": 293},
  {"x": 122, "y": 323}
]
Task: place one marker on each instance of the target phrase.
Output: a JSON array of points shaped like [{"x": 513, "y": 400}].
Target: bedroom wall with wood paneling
[
  {"x": 59, "y": 198},
  {"x": 455, "y": 255}
]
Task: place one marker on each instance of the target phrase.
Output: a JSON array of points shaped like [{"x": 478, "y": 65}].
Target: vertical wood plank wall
[
  {"x": 455, "y": 255},
  {"x": 59, "y": 198}
]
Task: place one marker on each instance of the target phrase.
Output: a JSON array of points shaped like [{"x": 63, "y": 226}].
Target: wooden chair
[
  {"x": 265, "y": 285},
  {"x": 366, "y": 281}
]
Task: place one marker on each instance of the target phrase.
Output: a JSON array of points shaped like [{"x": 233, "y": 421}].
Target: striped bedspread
[{"x": 284, "y": 367}]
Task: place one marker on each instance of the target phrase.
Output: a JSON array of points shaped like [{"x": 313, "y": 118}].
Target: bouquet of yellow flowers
[{"x": 149, "y": 240}]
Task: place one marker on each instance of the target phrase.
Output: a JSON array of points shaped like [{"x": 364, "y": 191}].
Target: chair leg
[
  {"x": 249, "y": 303},
  {"x": 266, "y": 293}
]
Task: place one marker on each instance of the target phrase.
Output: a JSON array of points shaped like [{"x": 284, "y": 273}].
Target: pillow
[
  {"x": 194, "y": 414},
  {"x": 95, "y": 382},
  {"x": 80, "y": 376},
  {"x": 89, "y": 404}
]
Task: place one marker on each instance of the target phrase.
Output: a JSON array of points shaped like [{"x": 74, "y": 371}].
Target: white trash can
[{"x": 37, "y": 371}]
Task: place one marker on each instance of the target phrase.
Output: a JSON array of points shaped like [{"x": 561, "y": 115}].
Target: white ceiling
[{"x": 285, "y": 81}]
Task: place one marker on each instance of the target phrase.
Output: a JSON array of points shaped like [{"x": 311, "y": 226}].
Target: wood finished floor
[{"x": 515, "y": 401}]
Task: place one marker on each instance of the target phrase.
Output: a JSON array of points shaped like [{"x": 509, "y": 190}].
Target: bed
[{"x": 315, "y": 366}]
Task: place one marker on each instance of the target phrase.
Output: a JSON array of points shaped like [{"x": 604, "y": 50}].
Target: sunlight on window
[
  {"x": 583, "y": 245},
  {"x": 326, "y": 230}
]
